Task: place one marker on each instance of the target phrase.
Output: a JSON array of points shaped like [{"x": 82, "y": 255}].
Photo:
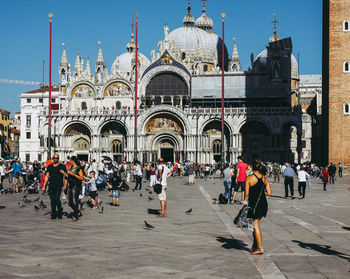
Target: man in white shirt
[
  {"x": 138, "y": 173},
  {"x": 162, "y": 175}
]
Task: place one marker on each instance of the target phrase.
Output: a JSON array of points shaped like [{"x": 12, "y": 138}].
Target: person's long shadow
[
  {"x": 2, "y": 207},
  {"x": 232, "y": 243},
  {"x": 153, "y": 211},
  {"x": 323, "y": 249},
  {"x": 346, "y": 228}
]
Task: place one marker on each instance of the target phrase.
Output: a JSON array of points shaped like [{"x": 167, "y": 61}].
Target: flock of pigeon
[{"x": 39, "y": 204}]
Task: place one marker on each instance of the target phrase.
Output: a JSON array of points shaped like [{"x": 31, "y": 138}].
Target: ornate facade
[{"x": 179, "y": 99}]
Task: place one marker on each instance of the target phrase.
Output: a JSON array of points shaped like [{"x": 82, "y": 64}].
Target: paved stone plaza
[{"x": 302, "y": 238}]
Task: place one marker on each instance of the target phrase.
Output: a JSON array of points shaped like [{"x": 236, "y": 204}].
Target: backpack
[{"x": 222, "y": 199}]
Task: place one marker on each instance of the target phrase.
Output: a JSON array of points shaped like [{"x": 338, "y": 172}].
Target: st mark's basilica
[{"x": 179, "y": 103}]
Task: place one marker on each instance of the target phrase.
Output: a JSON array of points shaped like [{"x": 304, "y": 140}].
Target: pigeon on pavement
[
  {"x": 21, "y": 205},
  {"x": 148, "y": 226},
  {"x": 36, "y": 199},
  {"x": 27, "y": 201},
  {"x": 189, "y": 211},
  {"x": 140, "y": 194},
  {"x": 150, "y": 199}
]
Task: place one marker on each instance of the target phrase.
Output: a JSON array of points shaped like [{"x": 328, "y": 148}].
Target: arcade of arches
[{"x": 165, "y": 135}]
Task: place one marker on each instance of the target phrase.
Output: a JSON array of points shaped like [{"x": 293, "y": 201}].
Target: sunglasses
[{"x": 55, "y": 158}]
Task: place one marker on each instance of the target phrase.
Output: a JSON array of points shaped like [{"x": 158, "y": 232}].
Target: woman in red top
[{"x": 325, "y": 175}]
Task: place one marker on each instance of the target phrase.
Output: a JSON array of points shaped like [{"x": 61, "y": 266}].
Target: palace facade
[{"x": 179, "y": 103}]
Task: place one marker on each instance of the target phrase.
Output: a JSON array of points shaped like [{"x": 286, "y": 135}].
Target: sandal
[
  {"x": 252, "y": 249},
  {"x": 258, "y": 251}
]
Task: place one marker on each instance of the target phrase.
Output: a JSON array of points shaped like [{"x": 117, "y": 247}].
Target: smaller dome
[
  {"x": 261, "y": 61},
  {"x": 204, "y": 22},
  {"x": 274, "y": 38},
  {"x": 124, "y": 62},
  {"x": 188, "y": 19}
]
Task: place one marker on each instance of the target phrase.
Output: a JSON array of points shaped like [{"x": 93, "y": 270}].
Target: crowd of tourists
[{"x": 77, "y": 179}]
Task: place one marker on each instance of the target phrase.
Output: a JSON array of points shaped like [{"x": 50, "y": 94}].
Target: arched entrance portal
[
  {"x": 164, "y": 133},
  {"x": 113, "y": 140},
  {"x": 212, "y": 140},
  {"x": 255, "y": 141},
  {"x": 77, "y": 140},
  {"x": 167, "y": 148}
]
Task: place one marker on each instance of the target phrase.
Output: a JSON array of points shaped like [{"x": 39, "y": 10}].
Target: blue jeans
[
  {"x": 10, "y": 177},
  {"x": 228, "y": 191}
]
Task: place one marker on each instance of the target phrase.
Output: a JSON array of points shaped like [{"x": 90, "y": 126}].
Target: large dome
[
  {"x": 196, "y": 44},
  {"x": 260, "y": 63}
]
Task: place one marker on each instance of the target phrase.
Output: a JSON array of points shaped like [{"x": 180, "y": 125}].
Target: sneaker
[
  {"x": 293, "y": 197},
  {"x": 300, "y": 197},
  {"x": 94, "y": 207}
]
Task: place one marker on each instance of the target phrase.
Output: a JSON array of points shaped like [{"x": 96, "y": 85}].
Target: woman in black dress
[
  {"x": 257, "y": 187},
  {"x": 74, "y": 177}
]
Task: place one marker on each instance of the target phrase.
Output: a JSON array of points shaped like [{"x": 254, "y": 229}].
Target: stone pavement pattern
[{"x": 302, "y": 238}]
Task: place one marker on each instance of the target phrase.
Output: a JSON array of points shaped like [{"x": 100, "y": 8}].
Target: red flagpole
[
  {"x": 49, "y": 130},
  {"x": 136, "y": 79},
  {"x": 223, "y": 91}
]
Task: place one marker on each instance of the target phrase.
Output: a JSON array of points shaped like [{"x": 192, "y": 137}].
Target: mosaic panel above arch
[
  {"x": 117, "y": 88},
  {"x": 83, "y": 91},
  {"x": 160, "y": 124}
]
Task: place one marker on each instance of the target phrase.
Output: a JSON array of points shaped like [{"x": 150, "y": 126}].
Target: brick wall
[{"x": 339, "y": 83}]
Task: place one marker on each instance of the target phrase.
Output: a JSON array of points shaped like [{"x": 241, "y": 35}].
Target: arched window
[
  {"x": 234, "y": 68},
  {"x": 346, "y": 26},
  {"x": 205, "y": 68},
  {"x": 217, "y": 146},
  {"x": 167, "y": 84},
  {"x": 117, "y": 146},
  {"x": 346, "y": 108},
  {"x": 118, "y": 105},
  {"x": 83, "y": 106},
  {"x": 183, "y": 56},
  {"x": 346, "y": 67}
]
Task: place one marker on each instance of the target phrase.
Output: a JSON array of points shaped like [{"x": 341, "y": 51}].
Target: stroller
[{"x": 32, "y": 186}]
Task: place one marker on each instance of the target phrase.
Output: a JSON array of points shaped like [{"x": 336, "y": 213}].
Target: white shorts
[{"x": 162, "y": 195}]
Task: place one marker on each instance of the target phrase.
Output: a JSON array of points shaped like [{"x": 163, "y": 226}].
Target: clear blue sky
[{"x": 24, "y": 32}]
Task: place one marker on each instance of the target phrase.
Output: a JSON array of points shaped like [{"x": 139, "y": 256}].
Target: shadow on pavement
[
  {"x": 279, "y": 197},
  {"x": 346, "y": 228},
  {"x": 323, "y": 249},
  {"x": 153, "y": 211},
  {"x": 2, "y": 207},
  {"x": 231, "y": 243}
]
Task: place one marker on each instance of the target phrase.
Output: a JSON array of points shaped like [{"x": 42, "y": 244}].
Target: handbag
[
  {"x": 242, "y": 220},
  {"x": 157, "y": 188}
]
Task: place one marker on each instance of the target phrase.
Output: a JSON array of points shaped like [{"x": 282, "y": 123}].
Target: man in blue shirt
[
  {"x": 17, "y": 167},
  {"x": 289, "y": 174}
]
